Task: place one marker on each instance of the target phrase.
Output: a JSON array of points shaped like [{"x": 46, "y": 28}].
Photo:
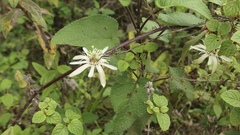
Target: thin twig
[{"x": 131, "y": 17}]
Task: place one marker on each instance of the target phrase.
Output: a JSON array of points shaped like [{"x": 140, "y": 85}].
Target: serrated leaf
[
  {"x": 122, "y": 65},
  {"x": 163, "y": 121},
  {"x": 39, "y": 117},
  {"x": 60, "y": 129},
  {"x": 128, "y": 103},
  {"x": 125, "y": 2},
  {"x": 150, "y": 47},
  {"x": 98, "y": 30},
  {"x": 212, "y": 42},
  {"x": 178, "y": 84},
  {"x": 212, "y": 25},
  {"x": 232, "y": 97},
  {"x": 180, "y": 19},
  {"x": 71, "y": 114},
  {"x": 75, "y": 127},
  {"x": 52, "y": 104},
  {"x": 9, "y": 20},
  {"x": 54, "y": 118},
  {"x": 49, "y": 111},
  {"x": 227, "y": 48},
  {"x": 7, "y": 100},
  {"x": 195, "y": 5},
  {"x": 235, "y": 117},
  {"x": 224, "y": 28},
  {"x": 236, "y": 36},
  {"x": 231, "y": 8},
  {"x": 39, "y": 68},
  {"x": 13, "y": 3},
  {"x": 136, "y": 47},
  {"x": 217, "y": 109},
  {"x": 160, "y": 100}
]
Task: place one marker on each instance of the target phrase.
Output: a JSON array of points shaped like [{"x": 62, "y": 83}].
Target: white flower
[
  {"x": 93, "y": 59},
  {"x": 213, "y": 57}
]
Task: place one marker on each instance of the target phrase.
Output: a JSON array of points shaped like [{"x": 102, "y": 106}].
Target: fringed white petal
[
  {"x": 91, "y": 72},
  {"x": 79, "y": 70},
  {"x": 201, "y": 59},
  {"x": 109, "y": 66},
  {"x": 102, "y": 76}
]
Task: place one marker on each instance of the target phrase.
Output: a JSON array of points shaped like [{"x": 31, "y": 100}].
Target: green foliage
[
  {"x": 99, "y": 31},
  {"x": 125, "y": 2},
  {"x": 232, "y": 97}
]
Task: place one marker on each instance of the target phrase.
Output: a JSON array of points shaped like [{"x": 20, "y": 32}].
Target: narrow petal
[
  {"x": 85, "y": 50},
  {"x": 79, "y": 57},
  {"x": 199, "y": 47},
  {"x": 78, "y": 62},
  {"x": 102, "y": 76},
  {"x": 109, "y": 66},
  {"x": 90, "y": 74},
  {"x": 225, "y": 58},
  {"x": 105, "y": 49},
  {"x": 214, "y": 63},
  {"x": 201, "y": 59},
  {"x": 79, "y": 70},
  {"x": 210, "y": 60}
]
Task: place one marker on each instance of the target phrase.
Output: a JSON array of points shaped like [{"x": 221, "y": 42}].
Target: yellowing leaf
[{"x": 20, "y": 79}]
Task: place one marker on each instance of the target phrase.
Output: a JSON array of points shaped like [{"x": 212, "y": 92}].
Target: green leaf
[
  {"x": 231, "y": 8},
  {"x": 20, "y": 79},
  {"x": 160, "y": 100},
  {"x": 232, "y": 97},
  {"x": 71, "y": 114},
  {"x": 195, "y": 5},
  {"x": 39, "y": 68},
  {"x": 89, "y": 117},
  {"x": 39, "y": 117},
  {"x": 48, "y": 76},
  {"x": 13, "y": 3},
  {"x": 180, "y": 19},
  {"x": 63, "y": 69},
  {"x": 75, "y": 127},
  {"x": 218, "y": 2},
  {"x": 164, "y": 109},
  {"x": 235, "y": 117},
  {"x": 128, "y": 102},
  {"x": 236, "y": 36},
  {"x": 163, "y": 121},
  {"x": 9, "y": 131},
  {"x": 60, "y": 129},
  {"x": 150, "y": 47},
  {"x": 231, "y": 132},
  {"x": 212, "y": 42},
  {"x": 54, "y": 118},
  {"x": 98, "y": 30},
  {"x": 52, "y": 104},
  {"x": 224, "y": 28},
  {"x": 49, "y": 111},
  {"x": 6, "y": 84},
  {"x": 149, "y": 65},
  {"x": 7, "y": 100},
  {"x": 136, "y": 47},
  {"x": 212, "y": 25},
  {"x": 227, "y": 48},
  {"x": 178, "y": 84},
  {"x": 125, "y": 2},
  {"x": 4, "y": 118},
  {"x": 122, "y": 65},
  {"x": 217, "y": 109},
  {"x": 129, "y": 56}
]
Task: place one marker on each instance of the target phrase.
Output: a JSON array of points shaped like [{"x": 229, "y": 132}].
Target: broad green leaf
[
  {"x": 231, "y": 8},
  {"x": 227, "y": 48},
  {"x": 71, "y": 114},
  {"x": 129, "y": 56},
  {"x": 217, "y": 109},
  {"x": 48, "y": 76},
  {"x": 9, "y": 131},
  {"x": 4, "y": 118},
  {"x": 39, "y": 117},
  {"x": 136, "y": 47},
  {"x": 49, "y": 111},
  {"x": 195, "y": 5},
  {"x": 218, "y": 2},
  {"x": 236, "y": 36},
  {"x": 63, "y": 69},
  {"x": 180, "y": 19},
  {"x": 163, "y": 121},
  {"x": 42, "y": 105},
  {"x": 232, "y": 97},
  {"x": 151, "y": 47},
  {"x": 7, "y": 100},
  {"x": 19, "y": 77},
  {"x": 160, "y": 100},
  {"x": 212, "y": 25},
  {"x": 6, "y": 84},
  {"x": 128, "y": 102},
  {"x": 178, "y": 84},
  {"x": 88, "y": 117},
  {"x": 54, "y": 118},
  {"x": 75, "y": 127},
  {"x": 9, "y": 20},
  {"x": 52, "y": 104},
  {"x": 224, "y": 28},
  {"x": 60, "y": 129},
  {"x": 125, "y": 2},
  {"x": 164, "y": 109},
  {"x": 122, "y": 65},
  {"x": 98, "y": 30},
  {"x": 212, "y": 42},
  {"x": 13, "y": 3},
  {"x": 235, "y": 117},
  {"x": 39, "y": 68}
]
